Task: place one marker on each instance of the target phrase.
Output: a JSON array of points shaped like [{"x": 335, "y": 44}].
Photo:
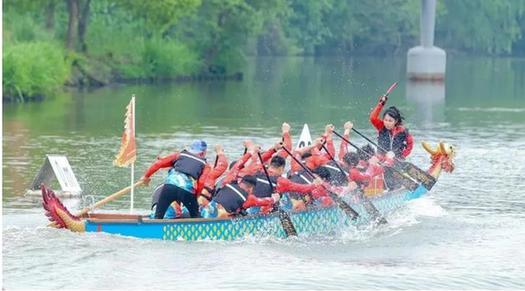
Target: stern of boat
[{"x": 58, "y": 214}]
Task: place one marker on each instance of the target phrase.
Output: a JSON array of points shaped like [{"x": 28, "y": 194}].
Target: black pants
[{"x": 172, "y": 193}]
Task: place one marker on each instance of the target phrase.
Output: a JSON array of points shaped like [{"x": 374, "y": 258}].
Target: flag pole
[
  {"x": 132, "y": 164},
  {"x": 132, "y": 188},
  {"x": 128, "y": 149}
]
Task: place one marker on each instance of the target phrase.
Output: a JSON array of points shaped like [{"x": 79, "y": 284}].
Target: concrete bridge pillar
[{"x": 426, "y": 61}]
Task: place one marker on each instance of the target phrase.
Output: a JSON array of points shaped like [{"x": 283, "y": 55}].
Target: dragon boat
[{"x": 312, "y": 221}]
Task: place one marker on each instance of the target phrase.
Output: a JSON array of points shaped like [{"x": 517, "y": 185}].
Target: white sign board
[
  {"x": 64, "y": 173},
  {"x": 57, "y": 166},
  {"x": 305, "y": 139}
]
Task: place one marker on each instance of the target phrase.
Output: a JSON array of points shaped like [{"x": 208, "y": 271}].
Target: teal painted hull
[{"x": 316, "y": 221}]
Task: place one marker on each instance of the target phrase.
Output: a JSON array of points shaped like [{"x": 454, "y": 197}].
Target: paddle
[
  {"x": 216, "y": 161},
  {"x": 408, "y": 182},
  {"x": 286, "y": 221},
  {"x": 369, "y": 206},
  {"x": 390, "y": 89},
  {"x": 410, "y": 169},
  {"x": 349, "y": 211},
  {"x": 110, "y": 198}
]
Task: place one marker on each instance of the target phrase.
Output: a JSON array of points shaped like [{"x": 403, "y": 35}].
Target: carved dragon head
[{"x": 443, "y": 155}]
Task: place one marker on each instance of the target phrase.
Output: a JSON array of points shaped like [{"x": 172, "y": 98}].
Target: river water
[{"x": 469, "y": 232}]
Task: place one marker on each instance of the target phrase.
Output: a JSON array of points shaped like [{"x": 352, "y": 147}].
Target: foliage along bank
[{"x": 51, "y": 43}]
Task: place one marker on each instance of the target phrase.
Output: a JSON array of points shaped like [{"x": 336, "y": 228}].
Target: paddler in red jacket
[
  {"x": 236, "y": 193},
  {"x": 392, "y": 136},
  {"x": 176, "y": 210},
  {"x": 280, "y": 183},
  {"x": 186, "y": 177},
  {"x": 220, "y": 166},
  {"x": 254, "y": 164},
  {"x": 234, "y": 197}
]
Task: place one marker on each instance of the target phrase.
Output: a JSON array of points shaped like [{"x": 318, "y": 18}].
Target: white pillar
[
  {"x": 427, "y": 19},
  {"x": 426, "y": 62}
]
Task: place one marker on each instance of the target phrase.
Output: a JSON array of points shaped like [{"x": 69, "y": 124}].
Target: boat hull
[{"x": 316, "y": 221}]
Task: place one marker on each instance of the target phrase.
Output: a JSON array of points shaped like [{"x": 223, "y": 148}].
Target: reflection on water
[
  {"x": 429, "y": 98},
  {"x": 467, "y": 234}
]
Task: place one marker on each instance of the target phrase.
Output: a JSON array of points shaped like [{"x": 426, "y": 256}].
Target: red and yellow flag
[{"x": 128, "y": 151}]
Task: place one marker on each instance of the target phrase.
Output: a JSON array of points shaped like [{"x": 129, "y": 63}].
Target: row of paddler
[{"x": 249, "y": 186}]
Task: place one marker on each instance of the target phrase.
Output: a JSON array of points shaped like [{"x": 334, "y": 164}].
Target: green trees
[
  {"x": 34, "y": 63},
  {"x": 33, "y": 69},
  {"x": 486, "y": 27},
  {"x": 373, "y": 27},
  {"x": 134, "y": 38},
  {"x": 97, "y": 42},
  {"x": 224, "y": 30},
  {"x": 327, "y": 27}
]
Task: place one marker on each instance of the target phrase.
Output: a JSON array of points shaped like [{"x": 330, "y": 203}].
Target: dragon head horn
[
  {"x": 429, "y": 149},
  {"x": 446, "y": 149},
  {"x": 442, "y": 148}
]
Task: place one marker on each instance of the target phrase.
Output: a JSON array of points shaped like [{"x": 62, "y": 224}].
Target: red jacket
[
  {"x": 379, "y": 125},
  {"x": 365, "y": 177},
  {"x": 287, "y": 143},
  {"x": 343, "y": 147},
  {"x": 285, "y": 185},
  {"x": 233, "y": 173},
  {"x": 216, "y": 172},
  {"x": 253, "y": 201},
  {"x": 329, "y": 145},
  {"x": 167, "y": 162},
  {"x": 255, "y": 165},
  {"x": 318, "y": 157}
]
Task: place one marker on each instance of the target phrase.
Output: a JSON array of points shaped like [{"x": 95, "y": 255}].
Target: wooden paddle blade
[
  {"x": 286, "y": 223},
  {"x": 375, "y": 215},
  {"x": 370, "y": 208},
  {"x": 349, "y": 211},
  {"x": 418, "y": 174},
  {"x": 391, "y": 88},
  {"x": 405, "y": 180}
]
